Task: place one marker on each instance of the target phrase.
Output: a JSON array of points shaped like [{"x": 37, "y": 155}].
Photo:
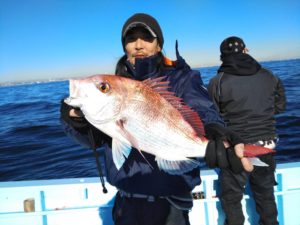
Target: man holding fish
[{"x": 147, "y": 119}]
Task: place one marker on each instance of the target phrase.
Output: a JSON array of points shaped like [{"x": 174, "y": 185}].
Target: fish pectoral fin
[
  {"x": 176, "y": 167},
  {"x": 256, "y": 161},
  {"x": 121, "y": 123},
  {"x": 120, "y": 151}
]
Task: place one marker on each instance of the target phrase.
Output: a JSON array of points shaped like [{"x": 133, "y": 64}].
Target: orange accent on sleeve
[{"x": 169, "y": 62}]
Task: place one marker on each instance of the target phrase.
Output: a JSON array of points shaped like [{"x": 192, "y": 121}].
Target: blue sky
[{"x": 49, "y": 39}]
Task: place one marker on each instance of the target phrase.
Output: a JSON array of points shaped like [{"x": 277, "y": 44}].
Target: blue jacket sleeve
[
  {"x": 196, "y": 96},
  {"x": 79, "y": 137}
]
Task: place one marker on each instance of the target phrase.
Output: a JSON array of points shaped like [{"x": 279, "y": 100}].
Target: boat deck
[{"x": 81, "y": 201}]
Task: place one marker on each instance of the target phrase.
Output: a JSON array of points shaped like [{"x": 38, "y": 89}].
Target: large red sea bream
[{"x": 146, "y": 116}]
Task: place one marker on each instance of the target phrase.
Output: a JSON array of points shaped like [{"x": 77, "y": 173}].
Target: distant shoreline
[{"x": 26, "y": 82}]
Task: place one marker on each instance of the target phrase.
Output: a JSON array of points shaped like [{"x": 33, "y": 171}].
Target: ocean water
[{"x": 33, "y": 145}]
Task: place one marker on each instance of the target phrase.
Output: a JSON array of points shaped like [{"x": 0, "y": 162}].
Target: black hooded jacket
[{"x": 247, "y": 97}]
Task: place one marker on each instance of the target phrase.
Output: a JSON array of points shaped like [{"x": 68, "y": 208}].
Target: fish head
[{"x": 100, "y": 97}]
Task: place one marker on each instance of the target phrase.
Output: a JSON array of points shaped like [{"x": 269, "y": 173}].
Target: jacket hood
[{"x": 240, "y": 64}]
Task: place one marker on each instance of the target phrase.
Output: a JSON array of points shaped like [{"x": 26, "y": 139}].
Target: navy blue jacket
[{"x": 136, "y": 176}]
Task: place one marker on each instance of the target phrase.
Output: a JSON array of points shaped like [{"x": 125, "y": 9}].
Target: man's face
[{"x": 139, "y": 43}]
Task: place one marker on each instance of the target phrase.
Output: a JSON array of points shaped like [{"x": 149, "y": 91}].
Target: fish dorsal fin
[{"x": 162, "y": 88}]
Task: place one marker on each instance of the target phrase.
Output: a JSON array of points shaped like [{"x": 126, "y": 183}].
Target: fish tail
[
  {"x": 257, "y": 162},
  {"x": 254, "y": 150}
]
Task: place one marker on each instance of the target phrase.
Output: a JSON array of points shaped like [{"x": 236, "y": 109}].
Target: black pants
[
  {"x": 139, "y": 211},
  {"x": 262, "y": 181}
]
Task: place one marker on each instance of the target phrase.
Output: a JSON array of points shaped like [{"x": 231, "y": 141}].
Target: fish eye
[{"x": 104, "y": 87}]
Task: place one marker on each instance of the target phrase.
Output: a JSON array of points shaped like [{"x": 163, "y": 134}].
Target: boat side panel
[{"x": 81, "y": 201}]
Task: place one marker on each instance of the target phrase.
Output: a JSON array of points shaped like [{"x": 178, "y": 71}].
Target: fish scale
[{"x": 175, "y": 144}]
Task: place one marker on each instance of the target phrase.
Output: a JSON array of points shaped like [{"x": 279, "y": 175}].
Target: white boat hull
[{"x": 80, "y": 201}]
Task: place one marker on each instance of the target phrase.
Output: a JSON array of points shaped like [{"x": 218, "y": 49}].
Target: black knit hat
[
  {"x": 146, "y": 21},
  {"x": 232, "y": 45}
]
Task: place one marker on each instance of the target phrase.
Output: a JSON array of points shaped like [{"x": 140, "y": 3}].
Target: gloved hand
[
  {"x": 216, "y": 154},
  {"x": 81, "y": 125},
  {"x": 216, "y": 131},
  {"x": 269, "y": 159},
  {"x": 235, "y": 163},
  {"x": 78, "y": 123}
]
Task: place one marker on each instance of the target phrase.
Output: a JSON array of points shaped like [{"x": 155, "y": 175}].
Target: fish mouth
[
  {"x": 77, "y": 104},
  {"x": 74, "y": 95},
  {"x": 73, "y": 88},
  {"x": 74, "y": 102},
  {"x": 68, "y": 100}
]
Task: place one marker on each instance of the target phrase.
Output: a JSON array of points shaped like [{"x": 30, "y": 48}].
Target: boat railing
[{"x": 81, "y": 201}]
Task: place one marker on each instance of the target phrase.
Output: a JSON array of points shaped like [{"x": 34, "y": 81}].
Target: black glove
[
  {"x": 81, "y": 125},
  {"x": 269, "y": 159},
  {"x": 235, "y": 163},
  {"x": 216, "y": 131},
  {"x": 78, "y": 123},
  {"x": 216, "y": 154}
]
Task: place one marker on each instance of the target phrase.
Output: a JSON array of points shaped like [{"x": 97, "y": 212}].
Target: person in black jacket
[
  {"x": 247, "y": 97},
  {"x": 147, "y": 195}
]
